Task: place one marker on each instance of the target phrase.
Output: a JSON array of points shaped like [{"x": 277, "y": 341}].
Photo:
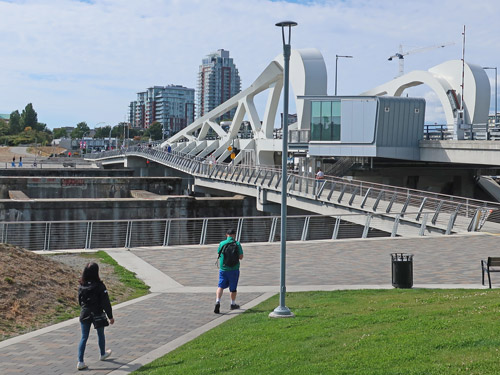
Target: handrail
[
  {"x": 465, "y": 207},
  {"x": 92, "y": 234}
]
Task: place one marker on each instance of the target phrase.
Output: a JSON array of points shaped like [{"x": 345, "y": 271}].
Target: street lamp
[
  {"x": 496, "y": 88},
  {"x": 282, "y": 311},
  {"x": 94, "y": 142},
  {"x": 336, "y": 64}
]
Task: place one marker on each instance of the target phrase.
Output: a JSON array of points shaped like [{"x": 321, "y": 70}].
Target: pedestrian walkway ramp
[{"x": 386, "y": 208}]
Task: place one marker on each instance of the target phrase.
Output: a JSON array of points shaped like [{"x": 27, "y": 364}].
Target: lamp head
[{"x": 288, "y": 24}]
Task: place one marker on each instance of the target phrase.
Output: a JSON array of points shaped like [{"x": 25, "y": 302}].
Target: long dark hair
[{"x": 90, "y": 273}]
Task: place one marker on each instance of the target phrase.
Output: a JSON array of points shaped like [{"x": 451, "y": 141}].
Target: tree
[
  {"x": 117, "y": 131},
  {"x": 15, "y": 123},
  {"x": 4, "y": 128},
  {"x": 60, "y": 133},
  {"x": 155, "y": 131},
  {"x": 102, "y": 132},
  {"x": 82, "y": 129},
  {"x": 29, "y": 117}
]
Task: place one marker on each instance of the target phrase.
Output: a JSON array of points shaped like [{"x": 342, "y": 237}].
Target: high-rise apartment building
[
  {"x": 218, "y": 81},
  {"x": 172, "y": 106}
]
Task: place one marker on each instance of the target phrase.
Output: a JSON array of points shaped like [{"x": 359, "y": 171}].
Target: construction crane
[{"x": 400, "y": 55}]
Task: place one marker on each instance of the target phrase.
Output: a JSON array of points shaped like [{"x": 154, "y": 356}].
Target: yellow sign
[
  {"x": 233, "y": 155},
  {"x": 230, "y": 148}
]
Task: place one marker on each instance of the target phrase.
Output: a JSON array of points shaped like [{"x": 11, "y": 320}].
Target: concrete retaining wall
[
  {"x": 127, "y": 208},
  {"x": 88, "y": 187}
]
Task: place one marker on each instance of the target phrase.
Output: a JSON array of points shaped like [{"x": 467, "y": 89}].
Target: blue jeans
[{"x": 85, "y": 335}]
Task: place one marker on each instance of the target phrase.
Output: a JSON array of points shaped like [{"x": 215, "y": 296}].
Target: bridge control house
[{"x": 388, "y": 127}]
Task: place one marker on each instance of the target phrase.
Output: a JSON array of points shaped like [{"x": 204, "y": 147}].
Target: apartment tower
[{"x": 218, "y": 81}]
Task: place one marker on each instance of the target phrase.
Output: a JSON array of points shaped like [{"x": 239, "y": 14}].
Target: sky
[{"x": 85, "y": 60}]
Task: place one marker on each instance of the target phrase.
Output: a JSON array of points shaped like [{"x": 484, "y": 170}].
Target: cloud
[{"x": 86, "y": 60}]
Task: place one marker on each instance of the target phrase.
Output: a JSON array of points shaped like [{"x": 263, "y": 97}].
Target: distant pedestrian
[
  {"x": 230, "y": 254},
  {"x": 320, "y": 175},
  {"x": 20, "y": 161},
  {"x": 14, "y": 161},
  {"x": 95, "y": 305}
]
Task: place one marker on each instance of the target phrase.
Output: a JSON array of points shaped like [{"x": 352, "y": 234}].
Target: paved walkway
[{"x": 183, "y": 282}]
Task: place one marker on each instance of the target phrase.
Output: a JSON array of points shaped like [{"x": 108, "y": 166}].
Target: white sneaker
[
  {"x": 81, "y": 366},
  {"x": 105, "y": 355}
]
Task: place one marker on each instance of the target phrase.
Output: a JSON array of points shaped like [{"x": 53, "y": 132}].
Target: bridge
[
  {"x": 378, "y": 123},
  {"x": 394, "y": 210}
]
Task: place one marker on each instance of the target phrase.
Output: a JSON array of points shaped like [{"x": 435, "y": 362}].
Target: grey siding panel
[
  {"x": 401, "y": 126},
  {"x": 347, "y": 125},
  {"x": 358, "y": 121}
]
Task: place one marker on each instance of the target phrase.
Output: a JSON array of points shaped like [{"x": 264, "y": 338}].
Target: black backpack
[{"x": 231, "y": 254}]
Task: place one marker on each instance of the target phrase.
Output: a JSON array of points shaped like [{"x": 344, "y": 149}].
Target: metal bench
[{"x": 492, "y": 264}]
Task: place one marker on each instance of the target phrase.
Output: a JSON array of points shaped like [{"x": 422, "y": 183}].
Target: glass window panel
[
  {"x": 326, "y": 112},
  {"x": 316, "y": 109},
  {"x": 336, "y": 132},
  {"x": 316, "y": 132},
  {"x": 336, "y": 108},
  {"x": 327, "y": 133}
]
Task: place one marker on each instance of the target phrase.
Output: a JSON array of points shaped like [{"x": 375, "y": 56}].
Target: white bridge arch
[
  {"x": 308, "y": 77},
  {"x": 445, "y": 80}
]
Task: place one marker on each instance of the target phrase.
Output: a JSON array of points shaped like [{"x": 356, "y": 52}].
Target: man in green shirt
[{"x": 228, "y": 275}]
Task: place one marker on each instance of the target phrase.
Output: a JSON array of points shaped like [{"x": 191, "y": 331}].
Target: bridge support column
[{"x": 263, "y": 204}]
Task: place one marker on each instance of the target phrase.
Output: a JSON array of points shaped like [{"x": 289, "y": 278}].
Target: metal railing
[
  {"x": 98, "y": 234},
  {"x": 479, "y": 132},
  {"x": 342, "y": 192}
]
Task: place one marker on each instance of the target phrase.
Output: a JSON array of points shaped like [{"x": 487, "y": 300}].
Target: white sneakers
[
  {"x": 81, "y": 366},
  {"x": 105, "y": 355}
]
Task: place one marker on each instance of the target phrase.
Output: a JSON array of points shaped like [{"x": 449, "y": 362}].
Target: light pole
[
  {"x": 94, "y": 142},
  {"x": 282, "y": 311},
  {"x": 336, "y": 64},
  {"x": 109, "y": 138},
  {"x": 496, "y": 88}
]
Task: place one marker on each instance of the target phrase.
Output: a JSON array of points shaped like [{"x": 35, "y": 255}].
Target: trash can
[{"x": 402, "y": 270}]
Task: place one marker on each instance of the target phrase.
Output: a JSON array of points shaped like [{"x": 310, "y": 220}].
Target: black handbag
[{"x": 100, "y": 320}]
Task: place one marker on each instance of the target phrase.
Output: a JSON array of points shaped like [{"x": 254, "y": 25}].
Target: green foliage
[
  {"x": 26, "y": 137},
  {"x": 29, "y": 118},
  {"x": 155, "y": 131},
  {"x": 102, "y": 132},
  {"x": 4, "y": 128},
  {"x": 15, "y": 123},
  {"x": 415, "y": 331},
  {"x": 134, "y": 133},
  {"x": 24, "y": 128},
  {"x": 60, "y": 133},
  {"x": 82, "y": 130}
]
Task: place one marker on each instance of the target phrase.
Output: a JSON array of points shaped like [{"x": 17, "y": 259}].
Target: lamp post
[
  {"x": 496, "y": 88},
  {"x": 282, "y": 311},
  {"x": 336, "y": 64},
  {"x": 94, "y": 142}
]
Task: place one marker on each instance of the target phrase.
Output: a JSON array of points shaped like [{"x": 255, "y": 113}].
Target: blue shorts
[{"x": 229, "y": 279}]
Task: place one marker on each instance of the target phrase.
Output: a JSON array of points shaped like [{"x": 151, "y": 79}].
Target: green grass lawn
[{"x": 414, "y": 331}]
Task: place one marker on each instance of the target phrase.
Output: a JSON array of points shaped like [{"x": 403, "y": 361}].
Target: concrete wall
[
  {"x": 88, "y": 187},
  {"x": 123, "y": 209},
  {"x": 460, "y": 182}
]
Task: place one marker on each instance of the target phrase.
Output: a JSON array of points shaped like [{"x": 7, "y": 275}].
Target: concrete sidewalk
[{"x": 181, "y": 306}]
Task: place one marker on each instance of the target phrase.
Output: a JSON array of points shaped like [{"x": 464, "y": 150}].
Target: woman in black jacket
[{"x": 94, "y": 301}]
